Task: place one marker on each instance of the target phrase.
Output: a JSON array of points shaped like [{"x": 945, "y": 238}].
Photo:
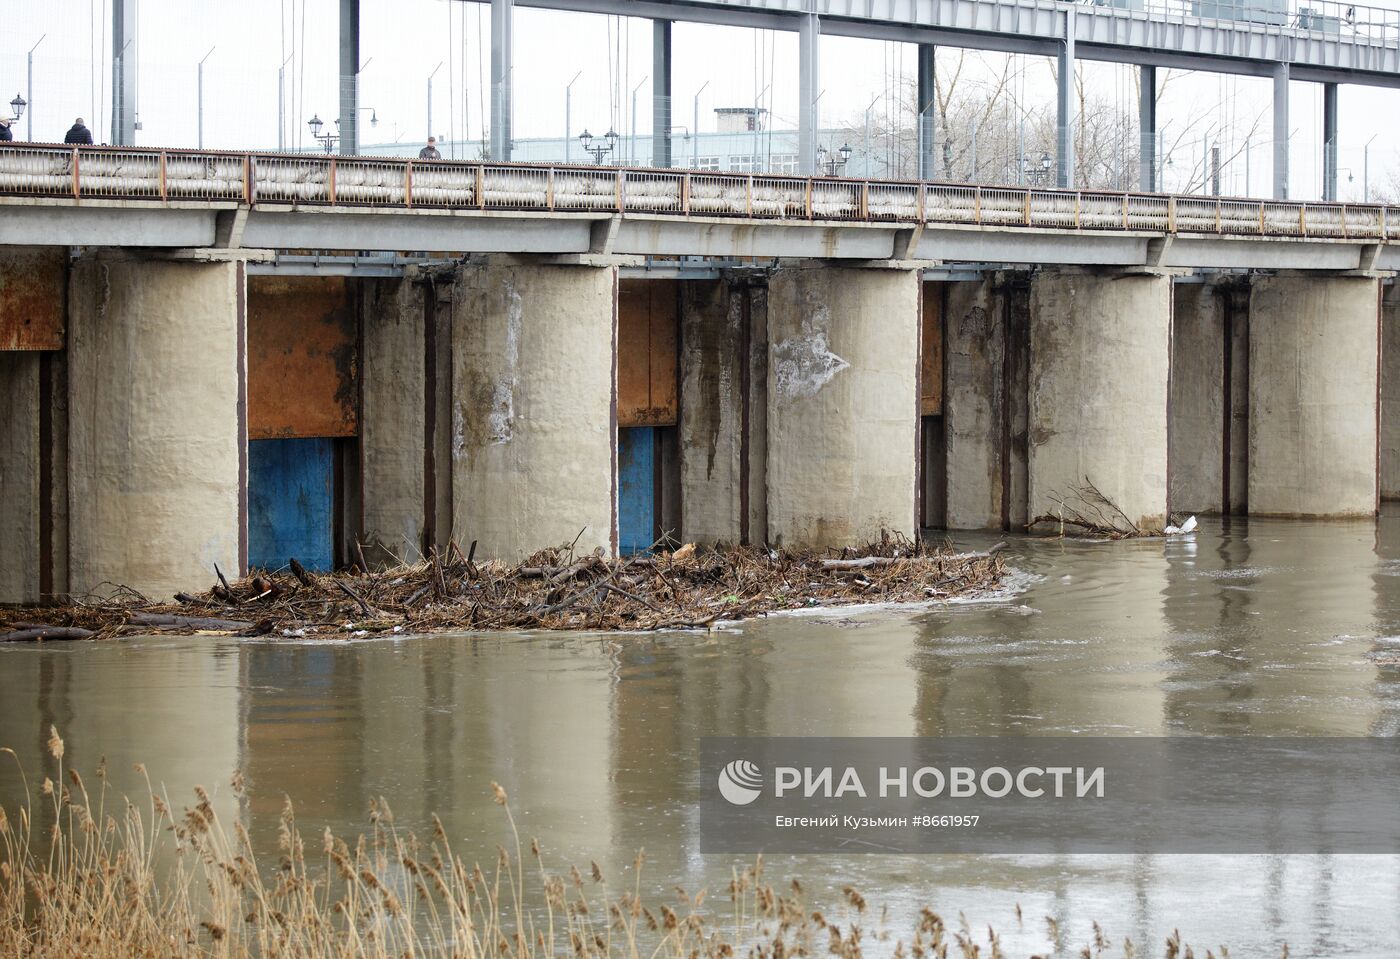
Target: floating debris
[{"x": 693, "y": 587}]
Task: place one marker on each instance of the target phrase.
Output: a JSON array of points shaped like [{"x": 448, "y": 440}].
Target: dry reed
[{"x": 93, "y": 877}]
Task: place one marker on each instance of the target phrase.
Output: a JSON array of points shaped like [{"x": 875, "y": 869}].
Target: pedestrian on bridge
[
  {"x": 78, "y": 133},
  {"x": 430, "y": 152},
  {"x": 5, "y": 134}
]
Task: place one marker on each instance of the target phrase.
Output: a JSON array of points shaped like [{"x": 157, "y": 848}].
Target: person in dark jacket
[
  {"x": 430, "y": 152},
  {"x": 79, "y": 133},
  {"x": 5, "y": 135}
]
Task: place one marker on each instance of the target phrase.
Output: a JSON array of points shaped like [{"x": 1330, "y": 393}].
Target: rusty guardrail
[{"x": 165, "y": 176}]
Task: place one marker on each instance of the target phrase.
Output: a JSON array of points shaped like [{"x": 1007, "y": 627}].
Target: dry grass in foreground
[
  {"x": 554, "y": 589},
  {"x": 142, "y": 881}
]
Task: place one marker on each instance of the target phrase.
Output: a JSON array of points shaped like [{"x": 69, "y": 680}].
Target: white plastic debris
[{"x": 1187, "y": 527}]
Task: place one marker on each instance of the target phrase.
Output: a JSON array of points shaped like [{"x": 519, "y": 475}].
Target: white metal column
[
  {"x": 349, "y": 77},
  {"x": 1065, "y": 113},
  {"x": 502, "y": 44},
  {"x": 1280, "y": 131},
  {"x": 928, "y": 111},
  {"x": 808, "y": 91},
  {"x": 123, "y": 131},
  {"x": 661, "y": 93},
  {"x": 1147, "y": 129}
]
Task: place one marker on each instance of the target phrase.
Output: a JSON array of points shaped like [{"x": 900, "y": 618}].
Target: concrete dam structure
[{"x": 603, "y": 356}]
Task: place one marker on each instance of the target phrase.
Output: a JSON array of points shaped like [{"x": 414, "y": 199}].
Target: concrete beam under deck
[{"x": 143, "y": 225}]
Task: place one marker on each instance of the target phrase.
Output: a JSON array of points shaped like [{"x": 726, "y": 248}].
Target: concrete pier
[
  {"x": 1100, "y": 353},
  {"x": 1209, "y": 418},
  {"x": 1390, "y": 392},
  {"x": 393, "y": 420},
  {"x": 534, "y": 406},
  {"x": 724, "y": 381},
  {"x": 1314, "y": 352},
  {"x": 157, "y": 424},
  {"x": 985, "y": 350},
  {"x": 842, "y": 403}
]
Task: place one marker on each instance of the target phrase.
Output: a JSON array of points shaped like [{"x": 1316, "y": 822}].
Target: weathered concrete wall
[
  {"x": 712, "y": 408},
  {"x": 974, "y": 396},
  {"x": 534, "y": 385},
  {"x": 1390, "y": 392},
  {"x": 842, "y": 404},
  {"x": 723, "y": 354},
  {"x": 1313, "y": 357},
  {"x": 392, "y": 420},
  {"x": 1197, "y": 416},
  {"x": 19, "y": 477},
  {"x": 1100, "y": 355},
  {"x": 156, "y": 432},
  {"x": 1210, "y": 397}
]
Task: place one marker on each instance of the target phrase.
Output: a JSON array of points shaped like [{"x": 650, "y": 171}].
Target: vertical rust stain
[
  {"x": 648, "y": 393},
  {"x": 33, "y": 282},
  {"x": 304, "y": 355},
  {"x": 745, "y": 386},
  {"x": 241, "y": 323},
  {"x": 613, "y": 534},
  {"x": 930, "y": 354},
  {"x": 428, "y": 538},
  {"x": 920, "y": 401},
  {"x": 46, "y": 413}
]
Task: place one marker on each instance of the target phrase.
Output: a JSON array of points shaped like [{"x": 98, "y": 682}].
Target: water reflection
[{"x": 1250, "y": 627}]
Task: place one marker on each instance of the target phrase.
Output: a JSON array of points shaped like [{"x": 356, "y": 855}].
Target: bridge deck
[{"x": 170, "y": 198}]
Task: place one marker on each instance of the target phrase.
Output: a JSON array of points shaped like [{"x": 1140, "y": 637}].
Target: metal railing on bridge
[{"x": 179, "y": 176}]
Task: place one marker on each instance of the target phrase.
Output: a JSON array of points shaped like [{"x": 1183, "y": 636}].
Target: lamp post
[
  {"x": 602, "y": 149},
  {"x": 632, "y": 146},
  {"x": 29, "y": 89},
  {"x": 867, "y": 151},
  {"x": 1037, "y": 172},
  {"x": 430, "y": 98},
  {"x": 695, "y": 143},
  {"x": 17, "y": 106},
  {"x": 201, "y": 95},
  {"x": 757, "y": 133},
  {"x": 830, "y": 162},
  {"x": 568, "y": 119},
  {"x": 1366, "y": 170},
  {"x": 329, "y": 139}
]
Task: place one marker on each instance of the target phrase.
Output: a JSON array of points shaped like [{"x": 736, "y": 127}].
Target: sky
[{"x": 243, "y": 44}]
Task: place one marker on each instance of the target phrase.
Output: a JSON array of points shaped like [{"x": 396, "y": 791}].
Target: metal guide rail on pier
[{"x": 188, "y": 177}]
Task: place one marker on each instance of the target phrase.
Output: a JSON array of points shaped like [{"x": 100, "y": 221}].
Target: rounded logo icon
[{"x": 740, "y": 782}]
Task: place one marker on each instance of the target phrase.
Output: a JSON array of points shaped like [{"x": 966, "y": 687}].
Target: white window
[{"x": 707, "y": 163}]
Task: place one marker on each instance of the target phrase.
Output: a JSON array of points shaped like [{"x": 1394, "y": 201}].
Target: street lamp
[
  {"x": 1041, "y": 170},
  {"x": 17, "y": 106},
  {"x": 329, "y": 139},
  {"x": 833, "y": 162},
  {"x": 603, "y": 148}
]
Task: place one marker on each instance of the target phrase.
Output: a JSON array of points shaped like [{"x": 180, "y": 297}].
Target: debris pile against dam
[{"x": 687, "y": 588}]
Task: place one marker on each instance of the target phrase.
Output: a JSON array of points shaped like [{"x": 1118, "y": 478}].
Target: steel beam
[
  {"x": 928, "y": 111},
  {"x": 1329, "y": 141},
  {"x": 349, "y": 77},
  {"x": 123, "y": 131},
  {"x": 661, "y": 93},
  {"x": 1281, "y": 131},
  {"x": 1147, "y": 129},
  {"x": 1103, "y": 32},
  {"x": 1064, "y": 103},
  {"x": 809, "y": 38},
  {"x": 502, "y": 49}
]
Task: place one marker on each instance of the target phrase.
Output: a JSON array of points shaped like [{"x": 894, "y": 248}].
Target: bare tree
[{"x": 985, "y": 135}]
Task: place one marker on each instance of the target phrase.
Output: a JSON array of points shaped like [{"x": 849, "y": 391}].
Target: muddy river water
[{"x": 1247, "y": 628}]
